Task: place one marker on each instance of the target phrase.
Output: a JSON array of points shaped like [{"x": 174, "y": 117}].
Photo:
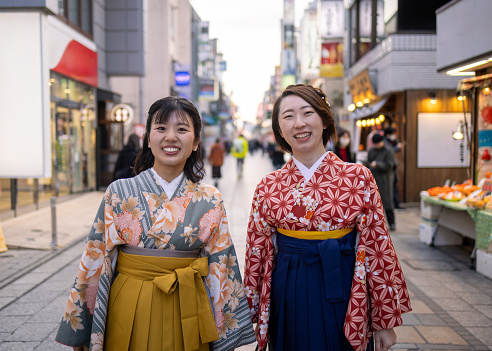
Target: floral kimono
[
  {"x": 137, "y": 212},
  {"x": 339, "y": 195}
]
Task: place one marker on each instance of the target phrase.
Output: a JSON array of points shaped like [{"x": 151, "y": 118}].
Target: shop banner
[
  {"x": 288, "y": 12},
  {"x": 288, "y": 36},
  {"x": 360, "y": 87},
  {"x": 484, "y": 156},
  {"x": 331, "y": 60},
  {"x": 365, "y": 19},
  {"x": 332, "y": 19},
  {"x": 289, "y": 62},
  {"x": 207, "y": 91}
]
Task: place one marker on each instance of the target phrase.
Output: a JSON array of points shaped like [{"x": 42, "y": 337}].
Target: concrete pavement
[{"x": 452, "y": 303}]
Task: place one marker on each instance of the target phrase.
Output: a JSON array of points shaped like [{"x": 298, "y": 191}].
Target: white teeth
[
  {"x": 170, "y": 149},
  {"x": 300, "y": 136}
]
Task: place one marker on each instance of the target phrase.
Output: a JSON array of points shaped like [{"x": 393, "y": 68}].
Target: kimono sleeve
[
  {"x": 378, "y": 264},
  {"x": 75, "y": 326},
  {"x": 226, "y": 288},
  {"x": 259, "y": 263}
]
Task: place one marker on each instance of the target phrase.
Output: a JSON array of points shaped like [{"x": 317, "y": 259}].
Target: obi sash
[
  {"x": 329, "y": 248},
  {"x": 168, "y": 274}
]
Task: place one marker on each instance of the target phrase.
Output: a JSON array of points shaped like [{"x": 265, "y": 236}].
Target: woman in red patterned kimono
[{"x": 321, "y": 272}]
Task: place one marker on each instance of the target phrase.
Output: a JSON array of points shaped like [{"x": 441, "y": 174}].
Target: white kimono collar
[
  {"x": 308, "y": 173},
  {"x": 169, "y": 188}
]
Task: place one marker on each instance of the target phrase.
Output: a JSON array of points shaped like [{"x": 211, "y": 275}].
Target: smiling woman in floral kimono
[
  {"x": 321, "y": 272},
  {"x": 159, "y": 269}
]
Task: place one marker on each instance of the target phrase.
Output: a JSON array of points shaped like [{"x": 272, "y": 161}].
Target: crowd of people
[{"x": 159, "y": 269}]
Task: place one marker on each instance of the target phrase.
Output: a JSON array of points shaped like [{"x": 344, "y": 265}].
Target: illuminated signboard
[{"x": 182, "y": 78}]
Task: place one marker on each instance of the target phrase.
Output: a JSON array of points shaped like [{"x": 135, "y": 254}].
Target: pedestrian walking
[
  {"x": 126, "y": 158},
  {"x": 321, "y": 272},
  {"x": 159, "y": 269},
  {"x": 239, "y": 150},
  {"x": 342, "y": 146},
  {"x": 381, "y": 161},
  {"x": 392, "y": 141},
  {"x": 216, "y": 159}
]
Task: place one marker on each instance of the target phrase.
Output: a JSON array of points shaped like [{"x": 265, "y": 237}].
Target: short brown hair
[{"x": 314, "y": 97}]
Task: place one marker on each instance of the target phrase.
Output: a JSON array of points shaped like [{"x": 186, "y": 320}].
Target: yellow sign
[{"x": 361, "y": 88}]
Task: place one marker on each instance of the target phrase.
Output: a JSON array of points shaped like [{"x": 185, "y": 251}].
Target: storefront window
[{"x": 74, "y": 166}]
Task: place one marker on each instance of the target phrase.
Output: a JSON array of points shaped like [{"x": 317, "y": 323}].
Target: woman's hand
[
  {"x": 80, "y": 348},
  {"x": 384, "y": 339}
]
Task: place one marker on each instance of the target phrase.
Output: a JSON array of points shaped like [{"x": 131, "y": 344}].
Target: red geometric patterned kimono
[{"x": 339, "y": 195}]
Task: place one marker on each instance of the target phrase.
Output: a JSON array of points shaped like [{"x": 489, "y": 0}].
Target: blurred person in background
[
  {"x": 126, "y": 158},
  {"x": 277, "y": 156},
  {"x": 342, "y": 147},
  {"x": 381, "y": 161},
  {"x": 391, "y": 140},
  {"x": 216, "y": 159},
  {"x": 239, "y": 150}
]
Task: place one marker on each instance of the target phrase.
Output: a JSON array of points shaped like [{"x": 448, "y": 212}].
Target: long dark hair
[
  {"x": 160, "y": 112},
  {"x": 314, "y": 97}
]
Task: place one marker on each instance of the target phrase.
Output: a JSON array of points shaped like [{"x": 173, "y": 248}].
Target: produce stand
[{"x": 446, "y": 223}]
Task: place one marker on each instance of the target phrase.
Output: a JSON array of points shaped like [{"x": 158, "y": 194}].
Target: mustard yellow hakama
[{"x": 159, "y": 303}]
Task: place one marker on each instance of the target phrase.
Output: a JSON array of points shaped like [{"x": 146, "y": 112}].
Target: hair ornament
[{"x": 323, "y": 96}]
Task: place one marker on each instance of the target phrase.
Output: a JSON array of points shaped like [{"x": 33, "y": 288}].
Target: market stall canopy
[{"x": 476, "y": 82}]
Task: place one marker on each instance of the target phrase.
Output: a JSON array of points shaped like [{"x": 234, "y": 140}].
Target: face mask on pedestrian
[
  {"x": 392, "y": 137},
  {"x": 344, "y": 141}
]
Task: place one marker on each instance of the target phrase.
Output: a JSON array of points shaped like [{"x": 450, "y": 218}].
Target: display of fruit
[
  {"x": 453, "y": 196},
  {"x": 475, "y": 203},
  {"x": 466, "y": 189},
  {"x": 439, "y": 190}
]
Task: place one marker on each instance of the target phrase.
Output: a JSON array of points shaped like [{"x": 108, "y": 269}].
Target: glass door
[
  {"x": 62, "y": 150},
  {"x": 76, "y": 156}
]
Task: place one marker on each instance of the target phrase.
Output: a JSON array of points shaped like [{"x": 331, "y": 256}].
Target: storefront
[
  {"x": 424, "y": 120},
  {"x": 454, "y": 215},
  {"x": 49, "y": 113}
]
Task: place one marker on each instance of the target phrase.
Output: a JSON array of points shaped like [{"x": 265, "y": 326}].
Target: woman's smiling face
[
  {"x": 172, "y": 143},
  {"x": 301, "y": 127}
]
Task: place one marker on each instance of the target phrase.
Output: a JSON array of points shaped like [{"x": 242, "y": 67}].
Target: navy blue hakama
[{"x": 310, "y": 293}]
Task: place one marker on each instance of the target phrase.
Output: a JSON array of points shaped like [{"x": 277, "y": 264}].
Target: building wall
[
  {"x": 161, "y": 48},
  {"x": 465, "y": 24},
  {"x": 99, "y": 38}
]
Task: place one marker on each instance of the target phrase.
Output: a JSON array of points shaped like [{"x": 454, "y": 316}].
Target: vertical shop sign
[
  {"x": 484, "y": 156},
  {"x": 332, "y": 19},
  {"x": 289, "y": 61},
  {"x": 365, "y": 19},
  {"x": 331, "y": 60}
]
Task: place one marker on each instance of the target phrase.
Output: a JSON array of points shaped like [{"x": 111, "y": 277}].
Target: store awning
[
  {"x": 476, "y": 82},
  {"x": 368, "y": 110}
]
